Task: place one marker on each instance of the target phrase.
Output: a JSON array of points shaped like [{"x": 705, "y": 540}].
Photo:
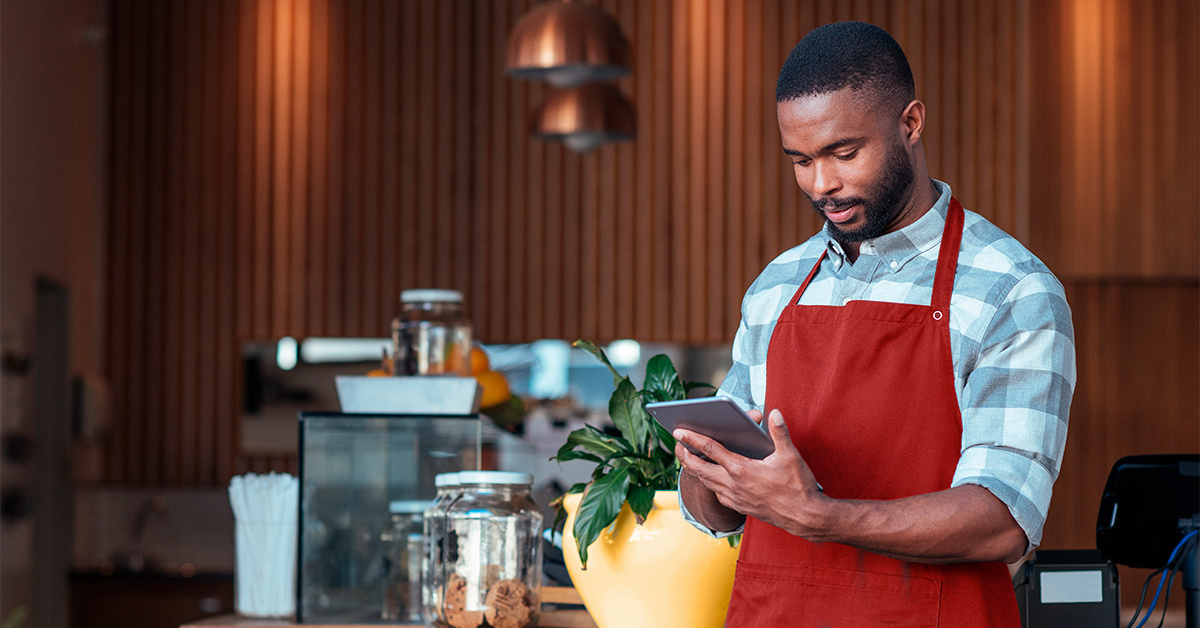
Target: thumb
[{"x": 778, "y": 430}]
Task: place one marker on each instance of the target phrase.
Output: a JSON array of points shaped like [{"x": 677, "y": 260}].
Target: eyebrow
[{"x": 828, "y": 148}]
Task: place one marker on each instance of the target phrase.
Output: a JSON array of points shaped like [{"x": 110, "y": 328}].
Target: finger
[
  {"x": 707, "y": 446},
  {"x": 778, "y": 430},
  {"x": 784, "y": 446},
  {"x": 756, "y": 415},
  {"x": 692, "y": 464},
  {"x": 712, "y": 477}
]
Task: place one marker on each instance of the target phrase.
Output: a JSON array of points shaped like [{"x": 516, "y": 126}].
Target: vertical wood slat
[
  {"x": 119, "y": 242},
  {"x": 210, "y": 240},
  {"x": 679, "y": 166},
  {"x": 336, "y": 173},
  {"x": 516, "y": 205},
  {"x": 354, "y": 243},
  {"x": 363, "y": 139},
  {"x": 372, "y": 236},
  {"x": 317, "y": 175},
  {"x": 175, "y": 277},
  {"x": 139, "y": 205},
  {"x": 716, "y": 204},
  {"x": 731, "y": 209},
  {"x": 696, "y": 65},
  {"x": 191, "y": 233},
  {"x": 386, "y": 305},
  {"x": 153, "y": 395},
  {"x": 228, "y": 371},
  {"x": 297, "y": 181}
]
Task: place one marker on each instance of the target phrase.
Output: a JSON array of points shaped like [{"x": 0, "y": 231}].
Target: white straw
[{"x": 265, "y": 511}]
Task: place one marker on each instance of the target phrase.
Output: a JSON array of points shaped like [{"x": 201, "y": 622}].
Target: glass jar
[
  {"x": 492, "y": 562},
  {"x": 435, "y": 534},
  {"x": 431, "y": 336},
  {"x": 403, "y": 545}
]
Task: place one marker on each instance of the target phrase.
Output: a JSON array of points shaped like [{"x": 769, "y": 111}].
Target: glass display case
[{"x": 352, "y": 468}]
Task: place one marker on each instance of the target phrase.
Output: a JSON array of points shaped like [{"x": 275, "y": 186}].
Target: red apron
[{"x": 867, "y": 390}]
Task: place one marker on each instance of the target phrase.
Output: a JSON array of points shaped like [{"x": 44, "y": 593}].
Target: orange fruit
[
  {"x": 495, "y": 388},
  {"x": 479, "y": 360}
]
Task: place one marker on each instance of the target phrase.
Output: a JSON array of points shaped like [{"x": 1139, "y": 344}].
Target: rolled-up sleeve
[
  {"x": 1016, "y": 399},
  {"x": 738, "y": 387}
]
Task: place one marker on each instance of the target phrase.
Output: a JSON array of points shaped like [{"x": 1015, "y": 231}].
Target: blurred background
[{"x": 185, "y": 180}]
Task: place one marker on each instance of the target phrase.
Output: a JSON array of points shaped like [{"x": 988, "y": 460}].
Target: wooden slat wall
[
  {"x": 1115, "y": 208},
  {"x": 1117, "y": 140},
  {"x": 1137, "y": 347},
  {"x": 286, "y": 167}
]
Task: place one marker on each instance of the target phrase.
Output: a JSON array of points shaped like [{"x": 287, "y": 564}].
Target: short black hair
[{"x": 847, "y": 54}]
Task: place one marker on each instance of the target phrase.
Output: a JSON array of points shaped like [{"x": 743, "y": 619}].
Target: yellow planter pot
[{"x": 661, "y": 574}]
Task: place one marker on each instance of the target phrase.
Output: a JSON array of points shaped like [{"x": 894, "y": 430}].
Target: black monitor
[{"x": 1144, "y": 499}]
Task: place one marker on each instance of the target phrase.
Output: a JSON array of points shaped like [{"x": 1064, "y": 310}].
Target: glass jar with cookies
[{"x": 492, "y": 555}]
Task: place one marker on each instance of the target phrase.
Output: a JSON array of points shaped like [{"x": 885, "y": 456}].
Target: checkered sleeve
[
  {"x": 737, "y": 387},
  {"x": 1015, "y": 401}
]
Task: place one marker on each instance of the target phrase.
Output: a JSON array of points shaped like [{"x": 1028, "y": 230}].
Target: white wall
[{"x": 52, "y": 137}]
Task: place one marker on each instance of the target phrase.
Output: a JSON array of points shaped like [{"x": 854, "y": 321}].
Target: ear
[{"x": 912, "y": 120}]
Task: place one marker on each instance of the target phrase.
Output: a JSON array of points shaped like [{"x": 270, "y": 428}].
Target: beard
[{"x": 886, "y": 199}]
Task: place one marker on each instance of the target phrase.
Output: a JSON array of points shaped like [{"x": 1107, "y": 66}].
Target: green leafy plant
[{"x": 629, "y": 467}]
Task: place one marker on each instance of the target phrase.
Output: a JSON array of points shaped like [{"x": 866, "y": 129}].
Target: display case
[{"x": 352, "y": 466}]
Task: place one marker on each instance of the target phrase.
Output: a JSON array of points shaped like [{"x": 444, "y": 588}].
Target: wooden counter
[{"x": 549, "y": 618}]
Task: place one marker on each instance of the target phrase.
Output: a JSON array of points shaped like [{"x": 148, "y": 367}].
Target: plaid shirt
[{"x": 1011, "y": 339}]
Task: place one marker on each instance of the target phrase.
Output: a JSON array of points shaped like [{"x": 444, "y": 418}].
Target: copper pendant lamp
[
  {"x": 567, "y": 44},
  {"x": 586, "y": 116}
]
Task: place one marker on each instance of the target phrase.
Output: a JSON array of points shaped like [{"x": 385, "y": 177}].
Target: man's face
[{"x": 851, "y": 160}]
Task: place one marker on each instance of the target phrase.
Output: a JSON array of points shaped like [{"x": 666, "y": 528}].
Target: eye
[
  {"x": 848, "y": 156},
  {"x": 801, "y": 161}
]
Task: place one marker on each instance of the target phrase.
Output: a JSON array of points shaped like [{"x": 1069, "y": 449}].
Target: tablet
[{"x": 718, "y": 418}]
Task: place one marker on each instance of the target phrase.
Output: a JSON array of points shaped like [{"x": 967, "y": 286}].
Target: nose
[{"x": 824, "y": 179}]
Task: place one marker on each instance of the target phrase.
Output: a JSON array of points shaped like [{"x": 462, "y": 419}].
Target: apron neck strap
[{"x": 943, "y": 281}]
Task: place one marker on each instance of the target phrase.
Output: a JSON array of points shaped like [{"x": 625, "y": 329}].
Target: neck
[{"x": 921, "y": 201}]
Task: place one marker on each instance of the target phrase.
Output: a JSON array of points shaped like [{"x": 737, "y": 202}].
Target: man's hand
[
  {"x": 779, "y": 489},
  {"x": 961, "y": 524}
]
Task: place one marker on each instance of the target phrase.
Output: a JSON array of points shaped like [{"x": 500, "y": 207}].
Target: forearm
[
  {"x": 705, "y": 507},
  {"x": 961, "y": 524}
]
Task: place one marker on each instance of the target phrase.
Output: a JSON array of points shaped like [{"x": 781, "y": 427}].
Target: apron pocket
[{"x": 810, "y": 596}]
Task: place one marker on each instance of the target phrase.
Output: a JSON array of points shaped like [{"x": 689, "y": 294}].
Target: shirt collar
[{"x": 906, "y": 243}]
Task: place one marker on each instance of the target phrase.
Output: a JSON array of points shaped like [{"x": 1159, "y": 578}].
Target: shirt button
[{"x": 894, "y": 264}]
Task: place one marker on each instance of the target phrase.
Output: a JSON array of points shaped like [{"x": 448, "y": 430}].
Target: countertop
[{"x": 549, "y": 618}]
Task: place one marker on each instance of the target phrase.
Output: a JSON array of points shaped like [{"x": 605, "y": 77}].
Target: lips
[{"x": 839, "y": 217}]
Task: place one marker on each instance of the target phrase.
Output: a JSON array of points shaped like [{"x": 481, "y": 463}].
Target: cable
[
  {"x": 1183, "y": 556},
  {"x": 1170, "y": 561},
  {"x": 1142, "y": 599}
]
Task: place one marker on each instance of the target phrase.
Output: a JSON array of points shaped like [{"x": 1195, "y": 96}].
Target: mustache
[{"x": 831, "y": 204}]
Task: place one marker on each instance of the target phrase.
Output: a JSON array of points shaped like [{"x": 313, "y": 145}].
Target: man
[{"x": 916, "y": 365}]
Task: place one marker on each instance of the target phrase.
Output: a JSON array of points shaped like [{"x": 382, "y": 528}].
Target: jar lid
[
  {"x": 494, "y": 477},
  {"x": 446, "y": 479},
  {"x": 408, "y": 506},
  {"x": 431, "y": 296}
]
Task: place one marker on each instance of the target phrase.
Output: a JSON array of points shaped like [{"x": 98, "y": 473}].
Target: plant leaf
[
  {"x": 591, "y": 348},
  {"x": 664, "y": 437},
  {"x": 560, "y": 516},
  {"x": 563, "y": 456},
  {"x": 662, "y": 380},
  {"x": 590, "y": 439},
  {"x": 599, "y": 509},
  {"x": 627, "y": 414},
  {"x": 641, "y": 501}
]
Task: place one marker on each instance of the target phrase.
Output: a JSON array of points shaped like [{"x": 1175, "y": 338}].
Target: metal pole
[
  {"x": 1191, "y": 573},
  {"x": 1191, "y": 585}
]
